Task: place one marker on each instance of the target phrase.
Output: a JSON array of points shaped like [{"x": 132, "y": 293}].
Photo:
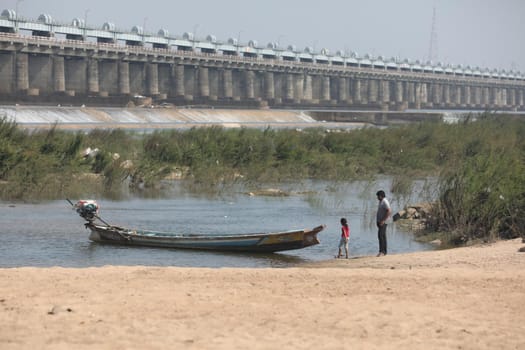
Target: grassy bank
[{"x": 481, "y": 164}]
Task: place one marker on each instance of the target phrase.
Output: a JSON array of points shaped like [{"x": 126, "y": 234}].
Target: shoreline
[{"x": 469, "y": 298}]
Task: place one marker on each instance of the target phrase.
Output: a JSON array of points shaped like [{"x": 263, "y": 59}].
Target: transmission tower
[{"x": 433, "y": 46}]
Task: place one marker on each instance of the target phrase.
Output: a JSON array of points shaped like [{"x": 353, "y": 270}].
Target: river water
[{"x": 52, "y": 234}]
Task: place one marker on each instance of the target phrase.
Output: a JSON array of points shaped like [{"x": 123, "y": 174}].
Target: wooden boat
[{"x": 252, "y": 242}]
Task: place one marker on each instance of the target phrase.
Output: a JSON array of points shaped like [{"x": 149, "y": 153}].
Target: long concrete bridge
[{"x": 42, "y": 61}]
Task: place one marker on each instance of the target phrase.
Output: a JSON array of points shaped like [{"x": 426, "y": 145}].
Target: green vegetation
[
  {"x": 481, "y": 164},
  {"x": 482, "y": 189}
]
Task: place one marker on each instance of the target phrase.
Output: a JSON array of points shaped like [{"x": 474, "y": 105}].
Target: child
[{"x": 345, "y": 237}]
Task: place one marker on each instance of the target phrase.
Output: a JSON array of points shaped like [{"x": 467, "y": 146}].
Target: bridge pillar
[
  {"x": 213, "y": 76},
  {"x": 446, "y": 95},
  {"x": 308, "y": 89},
  {"x": 485, "y": 97},
  {"x": 436, "y": 95},
  {"x": 249, "y": 78},
  {"x": 365, "y": 92},
  {"x": 325, "y": 89},
  {"x": 278, "y": 87},
  {"x": 299, "y": 88},
  {"x": 152, "y": 78},
  {"x": 511, "y": 98},
  {"x": 289, "y": 88},
  {"x": 59, "y": 76},
  {"x": 22, "y": 72},
  {"x": 373, "y": 91},
  {"x": 123, "y": 78},
  {"x": 398, "y": 94},
  {"x": 456, "y": 98},
  {"x": 519, "y": 98},
  {"x": 227, "y": 78},
  {"x": 468, "y": 96},
  {"x": 417, "y": 95},
  {"x": 384, "y": 91},
  {"x": 425, "y": 102},
  {"x": 357, "y": 91},
  {"x": 493, "y": 97},
  {"x": 472, "y": 100},
  {"x": 349, "y": 91},
  {"x": 239, "y": 84},
  {"x": 400, "y": 97},
  {"x": 269, "y": 88},
  {"x": 108, "y": 77},
  {"x": 509, "y": 94},
  {"x": 477, "y": 96},
  {"x": 204, "y": 82},
  {"x": 503, "y": 100},
  {"x": 278, "y": 84},
  {"x": 442, "y": 101},
  {"x": 342, "y": 89},
  {"x": 441, "y": 91},
  {"x": 178, "y": 80},
  {"x": 75, "y": 70},
  {"x": 191, "y": 79},
  {"x": 502, "y": 97},
  {"x": 410, "y": 89},
  {"x": 164, "y": 80},
  {"x": 384, "y": 94},
  {"x": 92, "y": 76},
  {"x": 7, "y": 73}
]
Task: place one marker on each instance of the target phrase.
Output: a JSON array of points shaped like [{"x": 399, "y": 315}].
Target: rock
[
  {"x": 272, "y": 192},
  {"x": 174, "y": 175},
  {"x": 521, "y": 250},
  {"x": 127, "y": 164},
  {"x": 142, "y": 101},
  {"x": 91, "y": 153},
  {"x": 57, "y": 308},
  {"x": 411, "y": 213},
  {"x": 436, "y": 242}
]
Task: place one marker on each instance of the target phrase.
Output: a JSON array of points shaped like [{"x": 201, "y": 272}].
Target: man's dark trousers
[{"x": 381, "y": 235}]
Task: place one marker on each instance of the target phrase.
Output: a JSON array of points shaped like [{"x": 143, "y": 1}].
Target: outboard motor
[{"x": 88, "y": 209}]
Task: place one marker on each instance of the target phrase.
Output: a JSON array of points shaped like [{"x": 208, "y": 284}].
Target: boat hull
[{"x": 257, "y": 242}]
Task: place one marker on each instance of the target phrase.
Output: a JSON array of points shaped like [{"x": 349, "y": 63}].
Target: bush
[{"x": 483, "y": 195}]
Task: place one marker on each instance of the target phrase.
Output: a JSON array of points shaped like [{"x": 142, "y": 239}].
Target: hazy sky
[{"x": 485, "y": 33}]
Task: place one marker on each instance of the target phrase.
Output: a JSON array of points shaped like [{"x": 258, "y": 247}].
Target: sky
[{"x": 477, "y": 33}]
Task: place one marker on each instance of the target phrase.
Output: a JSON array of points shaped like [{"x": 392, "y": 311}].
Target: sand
[{"x": 464, "y": 298}]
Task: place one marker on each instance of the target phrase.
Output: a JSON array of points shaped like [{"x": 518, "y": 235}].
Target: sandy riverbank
[{"x": 465, "y": 298}]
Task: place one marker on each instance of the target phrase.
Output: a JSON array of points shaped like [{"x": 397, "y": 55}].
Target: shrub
[{"x": 482, "y": 196}]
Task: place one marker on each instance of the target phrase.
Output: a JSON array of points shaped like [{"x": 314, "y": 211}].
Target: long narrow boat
[{"x": 251, "y": 242}]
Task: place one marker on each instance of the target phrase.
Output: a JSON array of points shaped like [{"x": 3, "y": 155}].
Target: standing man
[{"x": 383, "y": 213}]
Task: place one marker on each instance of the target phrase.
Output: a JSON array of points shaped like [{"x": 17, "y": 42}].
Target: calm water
[{"x": 51, "y": 234}]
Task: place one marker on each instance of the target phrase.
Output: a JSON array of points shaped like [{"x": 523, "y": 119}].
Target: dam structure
[{"x": 46, "y": 62}]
